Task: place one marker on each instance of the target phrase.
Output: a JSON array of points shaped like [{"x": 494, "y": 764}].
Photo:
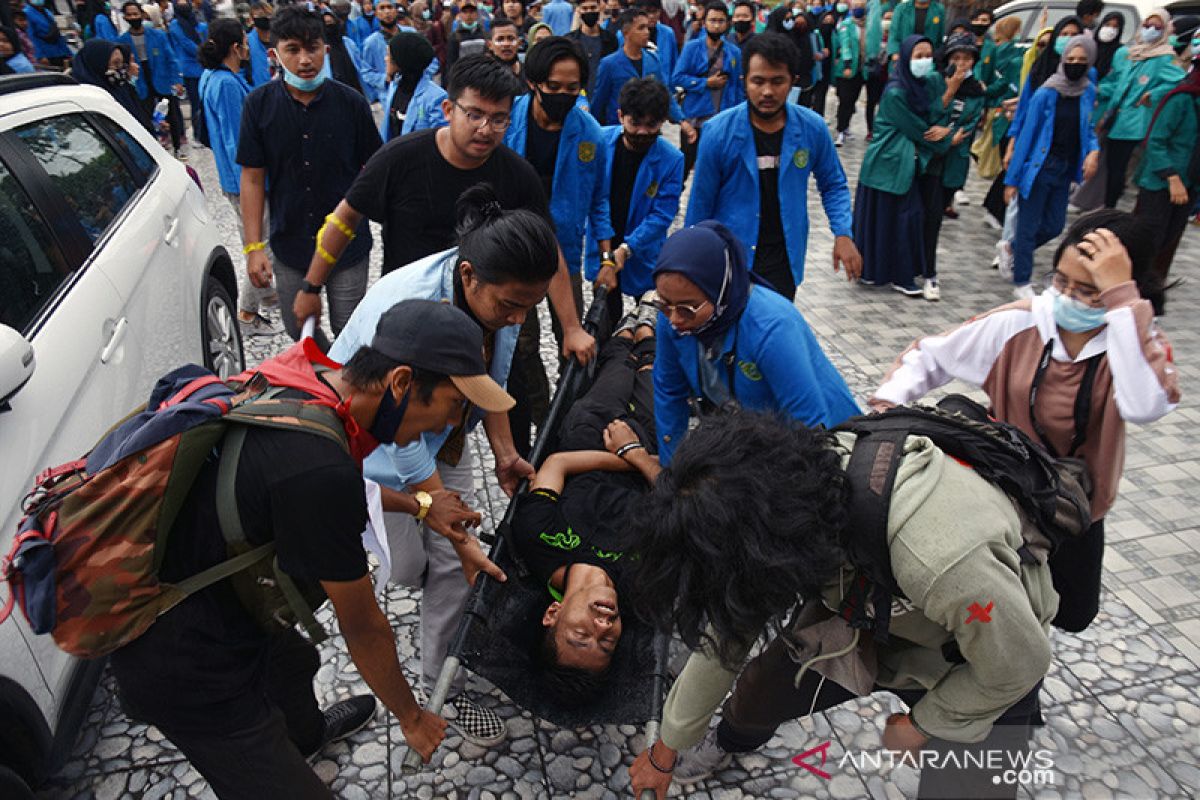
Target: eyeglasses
[
  {"x": 686, "y": 312},
  {"x": 1083, "y": 292},
  {"x": 498, "y": 122}
]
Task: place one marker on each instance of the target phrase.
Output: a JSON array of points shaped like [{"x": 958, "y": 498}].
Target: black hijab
[
  {"x": 1106, "y": 50},
  {"x": 916, "y": 94},
  {"x": 1047, "y": 63},
  {"x": 90, "y": 66},
  {"x": 340, "y": 62},
  {"x": 411, "y": 54}
]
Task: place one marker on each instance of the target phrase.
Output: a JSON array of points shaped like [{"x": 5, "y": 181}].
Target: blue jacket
[
  {"x": 362, "y": 27},
  {"x": 666, "y": 45},
  {"x": 653, "y": 204},
  {"x": 164, "y": 69},
  {"x": 578, "y": 195},
  {"x": 725, "y": 186},
  {"x": 1032, "y": 142},
  {"x": 558, "y": 14},
  {"x": 19, "y": 63},
  {"x": 431, "y": 278},
  {"x": 222, "y": 93},
  {"x": 43, "y": 26},
  {"x": 373, "y": 69},
  {"x": 187, "y": 52},
  {"x": 614, "y": 70},
  {"x": 424, "y": 109},
  {"x": 777, "y": 365},
  {"x": 692, "y": 74},
  {"x": 103, "y": 28},
  {"x": 355, "y": 57},
  {"x": 260, "y": 63}
]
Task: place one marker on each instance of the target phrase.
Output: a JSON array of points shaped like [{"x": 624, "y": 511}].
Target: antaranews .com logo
[{"x": 1008, "y": 767}]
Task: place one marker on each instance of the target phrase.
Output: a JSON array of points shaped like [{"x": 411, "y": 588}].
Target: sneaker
[
  {"x": 181, "y": 155},
  {"x": 647, "y": 312},
  {"x": 909, "y": 289},
  {"x": 345, "y": 718},
  {"x": 259, "y": 326},
  {"x": 992, "y": 222},
  {"x": 627, "y": 323},
  {"x": 961, "y": 198},
  {"x": 849, "y": 136},
  {"x": 841, "y": 139},
  {"x": 701, "y": 760},
  {"x": 1004, "y": 256},
  {"x": 1024, "y": 291},
  {"x": 930, "y": 290},
  {"x": 478, "y": 725}
]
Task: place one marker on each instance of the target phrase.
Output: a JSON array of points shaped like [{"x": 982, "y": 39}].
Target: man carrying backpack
[
  {"x": 753, "y": 514},
  {"x": 236, "y": 696}
]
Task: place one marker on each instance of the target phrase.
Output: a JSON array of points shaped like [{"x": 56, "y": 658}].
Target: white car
[
  {"x": 1038, "y": 14},
  {"x": 111, "y": 274}
]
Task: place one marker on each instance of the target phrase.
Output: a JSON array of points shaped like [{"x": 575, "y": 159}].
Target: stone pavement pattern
[{"x": 1121, "y": 700}]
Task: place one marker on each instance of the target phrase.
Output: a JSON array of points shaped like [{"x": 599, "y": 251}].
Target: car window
[
  {"x": 1025, "y": 14},
  {"x": 142, "y": 160},
  {"x": 32, "y": 266},
  {"x": 93, "y": 179}
]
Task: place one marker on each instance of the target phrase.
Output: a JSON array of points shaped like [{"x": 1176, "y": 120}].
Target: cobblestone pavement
[{"x": 1121, "y": 700}]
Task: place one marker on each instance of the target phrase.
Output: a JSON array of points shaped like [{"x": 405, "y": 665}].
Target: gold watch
[{"x": 425, "y": 499}]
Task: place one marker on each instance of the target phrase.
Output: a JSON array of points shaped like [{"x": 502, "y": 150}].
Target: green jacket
[
  {"x": 958, "y": 157},
  {"x": 846, "y": 53},
  {"x": 875, "y": 12},
  {"x": 1172, "y": 144},
  {"x": 1124, "y": 88},
  {"x": 898, "y": 147},
  {"x": 953, "y": 540},
  {"x": 985, "y": 65},
  {"x": 904, "y": 25}
]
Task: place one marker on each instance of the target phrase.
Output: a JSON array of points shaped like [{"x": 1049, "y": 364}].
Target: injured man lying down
[{"x": 569, "y": 527}]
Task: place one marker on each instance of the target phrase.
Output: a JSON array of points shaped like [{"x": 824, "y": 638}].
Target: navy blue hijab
[
  {"x": 710, "y": 256},
  {"x": 902, "y": 77}
]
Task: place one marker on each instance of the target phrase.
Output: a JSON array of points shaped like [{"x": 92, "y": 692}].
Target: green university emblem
[
  {"x": 750, "y": 370},
  {"x": 652, "y": 189},
  {"x": 587, "y": 152},
  {"x": 800, "y": 159}
]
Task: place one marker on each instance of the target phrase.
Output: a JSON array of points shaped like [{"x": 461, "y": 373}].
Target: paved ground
[{"x": 1122, "y": 706}]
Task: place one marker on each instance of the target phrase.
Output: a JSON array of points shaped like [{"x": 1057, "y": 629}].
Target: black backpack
[
  {"x": 200, "y": 124},
  {"x": 1052, "y": 493}
]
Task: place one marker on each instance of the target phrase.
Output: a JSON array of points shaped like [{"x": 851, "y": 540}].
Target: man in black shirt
[
  {"x": 597, "y": 42},
  {"x": 306, "y": 139},
  {"x": 236, "y": 696},
  {"x": 466, "y": 39},
  {"x": 412, "y": 184}
]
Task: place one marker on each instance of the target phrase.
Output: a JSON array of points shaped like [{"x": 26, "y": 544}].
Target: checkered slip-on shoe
[{"x": 478, "y": 725}]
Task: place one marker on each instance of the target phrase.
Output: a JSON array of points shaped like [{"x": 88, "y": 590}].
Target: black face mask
[
  {"x": 589, "y": 18},
  {"x": 640, "y": 142},
  {"x": 979, "y": 28},
  {"x": 388, "y": 417},
  {"x": 557, "y": 105},
  {"x": 1074, "y": 71},
  {"x": 262, "y": 23},
  {"x": 716, "y": 37},
  {"x": 135, "y": 26},
  {"x": 742, "y": 25},
  {"x": 331, "y": 33}
]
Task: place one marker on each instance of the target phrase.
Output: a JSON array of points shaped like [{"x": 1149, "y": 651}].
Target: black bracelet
[
  {"x": 625, "y": 448},
  {"x": 653, "y": 763}
]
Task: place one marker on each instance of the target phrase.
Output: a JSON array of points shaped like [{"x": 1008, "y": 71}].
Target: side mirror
[{"x": 16, "y": 364}]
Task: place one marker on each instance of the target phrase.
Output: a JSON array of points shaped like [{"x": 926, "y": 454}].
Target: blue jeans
[{"x": 1042, "y": 217}]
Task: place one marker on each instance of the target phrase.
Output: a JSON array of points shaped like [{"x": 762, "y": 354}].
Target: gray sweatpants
[{"x": 425, "y": 560}]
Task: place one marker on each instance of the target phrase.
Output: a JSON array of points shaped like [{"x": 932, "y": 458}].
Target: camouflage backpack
[{"x": 84, "y": 564}]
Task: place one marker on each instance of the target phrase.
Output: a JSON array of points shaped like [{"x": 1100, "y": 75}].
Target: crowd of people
[{"x": 507, "y": 155}]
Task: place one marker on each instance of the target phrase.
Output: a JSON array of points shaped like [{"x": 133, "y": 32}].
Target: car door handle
[
  {"x": 171, "y": 231},
  {"x": 120, "y": 328}
]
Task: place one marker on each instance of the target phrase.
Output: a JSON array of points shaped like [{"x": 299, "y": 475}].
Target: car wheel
[
  {"x": 222, "y": 336},
  {"x": 13, "y": 786}
]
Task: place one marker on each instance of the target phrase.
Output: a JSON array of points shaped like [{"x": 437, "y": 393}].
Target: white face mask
[
  {"x": 1150, "y": 34},
  {"x": 920, "y": 67},
  {"x": 1107, "y": 34}
]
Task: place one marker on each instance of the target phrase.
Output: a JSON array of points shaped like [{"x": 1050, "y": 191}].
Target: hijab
[
  {"x": 341, "y": 65},
  {"x": 1031, "y": 55},
  {"x": 710, "y": 256},
  {"x": 187, "y": 21},
  {"x": 411, "y": 54},
  {"x": 1106, "y": 50},
  {"x": 915, "y": 92},
  {"x": 1047, "y": 61},
  {"x": 1140, "y": 51},
  {"x": 1059, "y": 81},
  {"x": 90, "y": 66}
]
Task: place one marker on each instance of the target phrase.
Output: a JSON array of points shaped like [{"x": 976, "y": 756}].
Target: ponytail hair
[
  {"x": 503, "y": 246},
  {"x": 222, "y": 34}
]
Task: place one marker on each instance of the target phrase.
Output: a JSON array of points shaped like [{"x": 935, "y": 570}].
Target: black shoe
[{"x": 345, "y": 718}]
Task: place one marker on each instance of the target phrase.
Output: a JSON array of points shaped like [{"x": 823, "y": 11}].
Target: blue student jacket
[
  {"x": 161, "y": 57},
  {"x": 362, "y": 27},
  {"x": 431, "y": 278},
  {"x": 691, "y": 73},
  {"x": 1031, "y": 143},
  {"x": 187, "y": 52},
  {"x": 222, "y": 93},
  {"x": 372, "y": 69},
  {"x": 666, "y": 45},
  {"x": 614, "y": 70},
  {"x": 578, "y": 194},
  {"x": 260, "y": 63},
  {"x": 776, "y": 362},
  {"x": 42, "y": 25},
  {"x": 558, "y": 14},
  {"x": 652, "y": 208},
  {"x": 424, "y": 109},
  {"x": 103, "y": 28},
  {"x": 725, "y": 186},
  {"x": 20, "y": 63}
]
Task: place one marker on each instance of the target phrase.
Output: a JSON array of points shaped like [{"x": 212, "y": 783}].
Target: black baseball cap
[{"x": 441, "y": 338}]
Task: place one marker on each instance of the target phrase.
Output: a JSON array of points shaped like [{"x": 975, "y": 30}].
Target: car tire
[
  {"x": 219, "y": 326},
  {"x": 13, "y": 786}
]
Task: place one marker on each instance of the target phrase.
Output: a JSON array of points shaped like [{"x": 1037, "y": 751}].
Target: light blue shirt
[{"x": 558, "y": 15}]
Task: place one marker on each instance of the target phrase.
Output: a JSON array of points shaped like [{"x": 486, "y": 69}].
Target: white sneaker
[
  {"x": 930, "y": 290},
  {"x": 1005, "y": 255},
  {"x": 701, "y": 760},
  {"x": 841, "y": 139},
  {"x": 1024, "y": 292},
  {"x": 849, "y": 136},
  {"x": 992, "y": 222},
  {"x": 961, "y": 198}
]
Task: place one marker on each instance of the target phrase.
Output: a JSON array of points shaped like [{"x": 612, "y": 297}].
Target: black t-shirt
[
  {"x": 919, "y": 15},
  {"x": 194, "y": 665},
  {"x": 770, "y": 254},
  {"x": 1065, "y": 143},
  {"x": 541, "y": 150},
  {"x": 585, "y": 525},
  {"x": 624, "y": 172},
  {"x": 409, "y": 188},
  {"x": 592, "y": 47}
]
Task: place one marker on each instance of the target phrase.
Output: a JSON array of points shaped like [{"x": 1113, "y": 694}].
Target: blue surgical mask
[
  {"x": 859, "y": 13},
  {"x": 1075, "y": 316},
  {"x": 920, "y": 67},
  {"x": 303, "y": 84},
  {"x": 1060, "y": 44},
  {"x": 1150, "y": 34}
]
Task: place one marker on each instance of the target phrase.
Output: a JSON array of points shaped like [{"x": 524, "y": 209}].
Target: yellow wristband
[
  {"x": 341, "y": 226},
  {"x": 329, "y": 258},
  {"x": 250, "y": 248}
]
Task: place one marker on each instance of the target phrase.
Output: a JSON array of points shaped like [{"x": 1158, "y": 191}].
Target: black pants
[
  {"x": 848, "y": 90},
  {"x": 261, "y": 755},
  {"x": 193, "y": 96},
  {"x": 819, "y": 93},
  {"x": 876, "y": 81},
  {"x": 1118, "y": 153},
  {"x": 1076, "y": 568},
  {"x": 690, "y": 150},
  {"x": 933, "y": 204},
  {"x": 621, "y": 389},
  {"x": 766, "y": 697},
  {"x": 1166, "y": 222},
  {"x": 993, "y": 202}
]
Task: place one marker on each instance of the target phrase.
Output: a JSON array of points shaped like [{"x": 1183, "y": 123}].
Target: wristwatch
[
  {"x": 310, "y": 288},
  {"x": 425, "y": 500}
]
